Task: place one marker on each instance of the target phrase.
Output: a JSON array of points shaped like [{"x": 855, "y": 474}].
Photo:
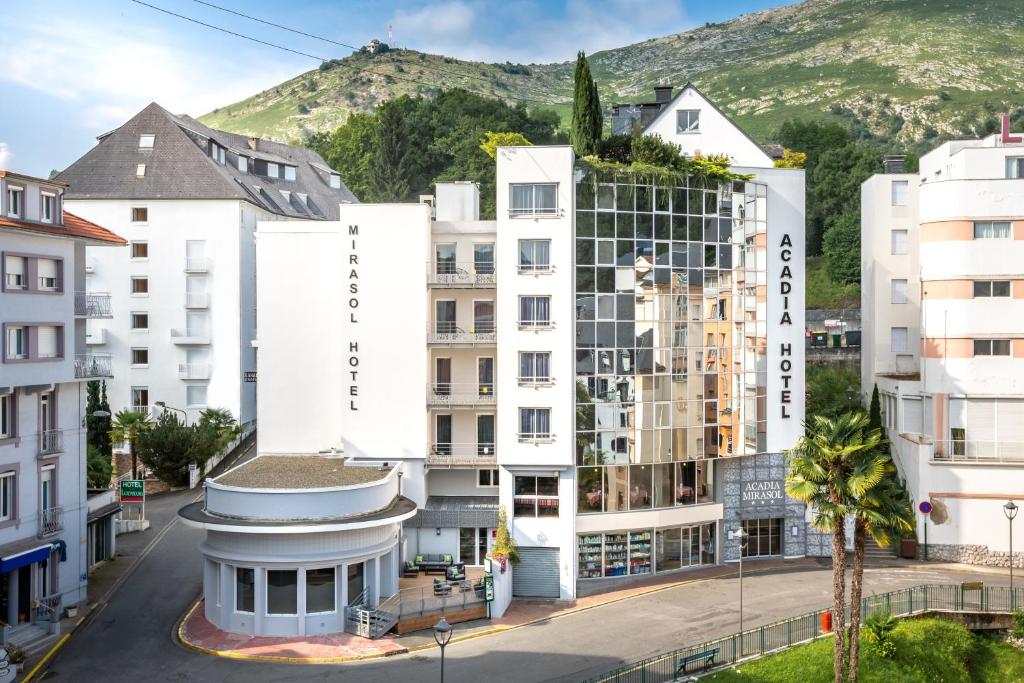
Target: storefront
[
  {"x": 637, "y": 552},
  {"x": 29, "y": 579}
]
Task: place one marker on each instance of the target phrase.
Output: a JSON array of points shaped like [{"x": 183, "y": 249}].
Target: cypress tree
[
  {"x": 875, "y": 411},
  {"x": 587, "y": 119},
  {"x": 390, "y": 168}
]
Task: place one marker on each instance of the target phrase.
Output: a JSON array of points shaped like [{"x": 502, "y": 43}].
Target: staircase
[
  {"x": 31, "y": 638},
  {"x": 876, "y": 554},
  {"x": 368, "y": 622}
]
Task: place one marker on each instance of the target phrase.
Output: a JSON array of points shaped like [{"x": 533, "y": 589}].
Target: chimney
[
  {"x": 662, "y": 94},
  {"x": 893, "y": 163},
  {"x": 252, "y": 143}
]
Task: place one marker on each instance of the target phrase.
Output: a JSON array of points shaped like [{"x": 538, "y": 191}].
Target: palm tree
[
  {"x": 828, "y": 471},
  {"x": 883, "y": 511},
  {"x": 127, "y": 426}
]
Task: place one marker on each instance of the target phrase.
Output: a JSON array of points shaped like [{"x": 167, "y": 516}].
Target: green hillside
[{"x": 904, "y": 69}]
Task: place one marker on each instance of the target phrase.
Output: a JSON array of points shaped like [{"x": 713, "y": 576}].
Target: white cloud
[
  {"x": 530, "y": 30},
  {"x": 5, "y": 155}
]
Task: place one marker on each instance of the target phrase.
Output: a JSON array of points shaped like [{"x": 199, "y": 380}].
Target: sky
[{"x": 75, "y": 69}]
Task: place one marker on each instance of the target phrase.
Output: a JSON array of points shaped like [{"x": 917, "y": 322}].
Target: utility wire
[{"x": 299, "y": 52}]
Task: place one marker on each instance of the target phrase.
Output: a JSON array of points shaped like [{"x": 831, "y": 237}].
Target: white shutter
[
  {"x": 981, "y": 420},
  {"x": 47, "y": 267},
  {"x": 928, "y": 417},
  {"x": 957, "y": 414},
  {"x": 1010, "y": 427},
  {"x": 14, "y": 265},
  {"x": 47, "y": 341},
  {"x": 912, "y": 415}
]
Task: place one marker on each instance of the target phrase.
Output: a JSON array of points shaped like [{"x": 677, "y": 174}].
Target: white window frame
[
  {"x": 131, "y": 253},
  {"x": 988, "y": 289},
  {"x": 335, "y": 181},
  {"x": 8, "y": 496},
  {"x": 8, "y": 419},
  {"x": 16, "y": 281},
  {"x": 16, "y": 344},
  {"x": 138, "y": 278},
  {"x": 189, "y": 388},
  {"x": 492, "y": 477},
  {"x": 15, "y": 201},
  {"x": 242, "y": 164},
  {"x": 897, "y": 248},
  {"x": 534, "y": 323},
  {"x": 991, "y": 226},
  {"x": 135, "y": 364},
  {"x": 899, "y": 348},
  {"x": 147, "y": 140},
  {"x": 533, "y": 210},
  {"x": 534, "y": 379},
  {"x": 535, "y": 436},
  {"x": 899, "y": 193},
  {"x": 987, "y": 347},
  {"x": 254, "y": 571},
  {"x": 131, "y": 321},
  {"x": 535, "y": 267},
  {"x": 898, "y": 290},
  {"x": 47, "y": 206},
  {"x": 272, "y": 169},
  {"x": 143, "y": 221},
  {"x": 687, "y": 121},
  {"x": 140, "y": 171},
  {"x": 1014, "y": 166},
  {"x": 289, "y": 172}
]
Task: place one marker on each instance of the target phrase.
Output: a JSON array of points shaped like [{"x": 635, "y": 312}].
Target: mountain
[{"x": 901, "y": 69}]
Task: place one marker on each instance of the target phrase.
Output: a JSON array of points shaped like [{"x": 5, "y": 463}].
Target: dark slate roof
[
  {"x": 457, "y": 511},
  {"x": 180, "y": 167}
]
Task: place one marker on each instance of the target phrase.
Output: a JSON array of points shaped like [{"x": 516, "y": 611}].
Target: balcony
[
  {"x": 197, "y": 300},
  {"x": 197, "y": 264},
  {"x": 469, "y": 395},
  {"x": 51, "y": 442},
  {"x": 92, "y": 305},
  {"x": 51, "y": 521},
  {"x": 96, "y": 337},
  {"x": 979, "y": 452},
  {"x": 190, "y": 336},
  {"x": 476, "y": 275},
  {"x": 193, "y": 371},
  {"x": 461, "y": 455},
  {"x": 450, "y": 334},
  {"x": 88, "y": 366}
]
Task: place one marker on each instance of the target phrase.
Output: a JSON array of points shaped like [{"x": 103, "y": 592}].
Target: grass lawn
[
  {"x": 927, "y": 651},
  {"x": 822, "y": 292}
]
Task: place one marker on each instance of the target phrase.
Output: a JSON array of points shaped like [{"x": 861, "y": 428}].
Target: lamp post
[
  {"x": 1010, "y": 510},
  {"x": 163, "y": 405},
  {"x": 442, "y": 634},
  {"x": 741, "y": 536}
]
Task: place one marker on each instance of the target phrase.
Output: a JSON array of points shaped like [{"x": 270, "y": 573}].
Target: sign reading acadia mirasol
[
  {"x": 353, "y": 307},
  {"x": 786, "y": 348}
]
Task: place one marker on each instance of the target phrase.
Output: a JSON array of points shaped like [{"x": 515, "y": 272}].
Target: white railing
[
  {"x": 546, "y": 211},
  {"x": 197, "y": 335},
  {"x": 51, "y": 520},
  {"x": 460, "y": 394},
  {"x": 92, "y": 305},
  {"x": 451, "y": 333},
  {"x": 51, "y": 441},
  {"x": 536, "y": 325},
  {"x": 197, "y": 299},
  {"x": 92, "y": 365},
  {"x": 473, "y": 274},
  {"x": 467, "y": 454},
  {"x": 197, "y": 264},
  {"x": 536, "y": 268},
  {"x": 958, "y": 450},
  {"x": 193, "y": 371},
  {"x": 535, "y": 381}
]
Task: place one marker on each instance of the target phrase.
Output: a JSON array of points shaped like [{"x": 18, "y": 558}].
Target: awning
[
  {"x": 23, "y": 553},
  {"x": 105, "y": 511},
  {"x": 457, "y": 511}
]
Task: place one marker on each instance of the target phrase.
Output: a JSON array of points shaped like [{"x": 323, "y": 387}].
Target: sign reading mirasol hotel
[{"x": 353, "y": 307}]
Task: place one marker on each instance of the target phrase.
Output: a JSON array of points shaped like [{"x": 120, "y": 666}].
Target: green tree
[
  {"x": 828, "y": 391},
  {"x": 812, "y": 138},
  {"x": 875, "y": 411},
  {"x": 505, "y": 549},
  {"x": 587, "y": 120},
  {"x": 492, "y": 141},
  {"x": 168, "y": 447},
  {"x": 97, "y": 429},
  {"x": 220, "y": 426},
  {"x": 98, "y": 468},
  {"x": 829, "y": 469},
  {"x": 129, "y": 425},
  {"x": 842, "y": 249},
  {"x": 834, "y": 188},
  {"x": 390, "y": 169},
  {"x": 791, "y": 159},
  {"x": 350, "y": 148}
]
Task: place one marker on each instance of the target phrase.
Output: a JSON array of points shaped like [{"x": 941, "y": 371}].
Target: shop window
[
  {"x": 282, "y": 592},
  {"x": 320, "y": 590},
  {"x": 245, "y": 589},
  {"x": 536, "y": 497},
  {"x": 764, "y": 537}
]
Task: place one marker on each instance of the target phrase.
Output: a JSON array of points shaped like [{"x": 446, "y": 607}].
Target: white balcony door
[
  {"x": 46, "y": 403},
  {"x": 47, "y": 497},
  {"x": 195, "y": 322}
]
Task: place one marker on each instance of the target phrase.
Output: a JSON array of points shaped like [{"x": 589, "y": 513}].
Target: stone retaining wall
[{"x": 970, "y": 554}]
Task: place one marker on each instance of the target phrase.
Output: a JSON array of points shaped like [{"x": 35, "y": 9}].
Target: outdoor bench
[{"x": 706, "y": 658}]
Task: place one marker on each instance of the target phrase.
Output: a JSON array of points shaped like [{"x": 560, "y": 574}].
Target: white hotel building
[
  {"x": 618, "y": 365},
  {"x": 943, "y": 284}
]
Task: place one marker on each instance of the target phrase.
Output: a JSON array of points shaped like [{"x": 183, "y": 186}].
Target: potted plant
[
  {"x": 908, "y": 546},
  {"x": 15, "y": 655},
  {"x": 504, "y": 549}
]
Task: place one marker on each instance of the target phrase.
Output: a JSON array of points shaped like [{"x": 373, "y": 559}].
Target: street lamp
[
  {"x": 163, "y": 405},
  {"x": 1010, "y": 510},
  {"x": 850, "y": 392},
  {"x": 741, "y": 535},
  {"x": 442, "y": 635}
]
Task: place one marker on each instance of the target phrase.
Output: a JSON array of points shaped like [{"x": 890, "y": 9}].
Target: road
[{"x": 132, "y": 636}]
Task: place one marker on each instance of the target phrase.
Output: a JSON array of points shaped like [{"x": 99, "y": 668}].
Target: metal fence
[{"x": 779, "y": 635}]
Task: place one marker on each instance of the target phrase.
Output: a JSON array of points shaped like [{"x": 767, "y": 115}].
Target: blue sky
[{"x": 75, "y": 69}]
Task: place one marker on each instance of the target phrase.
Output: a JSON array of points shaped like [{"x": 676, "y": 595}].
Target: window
[
  {"x": 444, "y": 259},
  {"x": 900, "y": 192},
  {"x": 140, "y": 399},
  {"x": 46, "y": 204},
  {"x": 140, "y": 285},
  {"x": 320, "y": 590},
  {"x": 14, "y": 195},
  {"x": 17, "y": 342},
  {"x": 48, "y": 340},
  {"x": 688, "y": 121},
  {"x": 534, "y": 424},
  {"x": 899, "y": 242},
  {"x": 898, "y": 340},
  {"x": 483, "y": 258},
  {"x": 48, "y": 271},
  {"x": 534, "y": 256},
  {"x": 764, "y": 537},
  {"x": 991, "y": 230},
  {"x": 336, "y": 181},
  {"x": 243, "y": 164},
  {"x": 140, "y": 249},
  {"x": 991, "y": 288},
  {"x": 536, "y": 497},
  {"x": 140, "y": 321},
  {"x": 991, "y": 347},
  {"x": 7, "y": 420},
  {"x": 245, "y": 589},
  {"x": 282, "y": 591},
  {"x": 534, "y": 367},
  {"x": 535, "y": 311},
  {"x": 7, "y": 491},
  {"x": 899, "y": 291},
  {"x": 534, "y": 199},
  {"x": 140, "y": 214},
  {"x": 289, "y": 173},
  {"x": 140, "y": 171},
  {"x": 140, "y": 356},
  {"x": 14, "y": 272},
  {"x": 487, "y": 477},
  {"x": 195, "y": 394},
  {"x": 1015, "y": 167},
  {"x": 271, "y": 169},
  {"x": 146, "y": 141}
]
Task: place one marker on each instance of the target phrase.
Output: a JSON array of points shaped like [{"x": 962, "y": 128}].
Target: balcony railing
[
  {"x": 959, "y": 450},
  {"x": 197, "y": 300},
  {"x": 473, "y": 274},
  {"x": 92, "y": 365},
  {"x": 51, "y": 442},
  {"x": 51, "y": 520},
  {"x": 447, "y": 394},
  {"x": 450, "y": 333},
  {"x": 92, "y": 305},
  {"x": 461, "y": 454},
  {"x": 197, "y": 264},
  {"x": 193, "y": 371},
  {"x": 199, "y": 335}
]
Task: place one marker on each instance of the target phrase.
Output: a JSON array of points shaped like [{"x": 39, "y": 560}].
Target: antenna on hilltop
[{"x": 391, "y": 38}]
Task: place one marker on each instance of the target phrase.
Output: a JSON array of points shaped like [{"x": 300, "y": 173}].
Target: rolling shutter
[
  {"x": 912, "y": 415},
  {"x": 536, "y": 575}
]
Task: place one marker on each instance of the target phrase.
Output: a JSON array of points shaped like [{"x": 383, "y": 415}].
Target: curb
[{"x": 52, "y": 651}]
